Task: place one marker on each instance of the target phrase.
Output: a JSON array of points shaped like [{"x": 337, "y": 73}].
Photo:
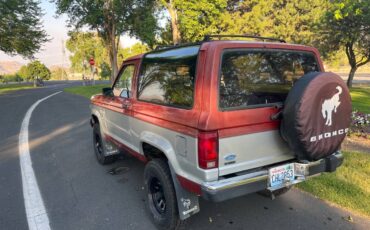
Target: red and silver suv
[{"x": 222, "y": 119}]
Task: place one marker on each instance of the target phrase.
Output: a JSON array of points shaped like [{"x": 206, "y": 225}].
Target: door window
[
  {"x": 168, "y": 77},
  {"x": 122, "y": 87}
]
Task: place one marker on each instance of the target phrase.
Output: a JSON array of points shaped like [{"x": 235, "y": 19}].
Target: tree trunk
[
  {"x": 176, "y": 38},
  {"x": 113, "y": 61},
  {"x": 113, "y": 53},
  {"x": 350, "y": 76},
  {"x": 352, "y": 62}
]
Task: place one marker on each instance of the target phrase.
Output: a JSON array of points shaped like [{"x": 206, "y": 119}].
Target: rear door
[{"x": 252, "y": 86}]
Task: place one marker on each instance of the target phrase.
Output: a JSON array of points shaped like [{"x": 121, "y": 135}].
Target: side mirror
[{"x": 107, "y": 92}]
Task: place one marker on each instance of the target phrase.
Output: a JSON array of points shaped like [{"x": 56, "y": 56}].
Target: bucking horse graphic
[{"x": 330, "y": 105}]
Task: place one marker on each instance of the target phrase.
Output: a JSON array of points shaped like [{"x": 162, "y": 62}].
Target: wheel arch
[{"x": 154, "y": 145}]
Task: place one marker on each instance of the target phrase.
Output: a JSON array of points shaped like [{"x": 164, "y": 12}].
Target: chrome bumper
[{"x": 256, "y": 181}]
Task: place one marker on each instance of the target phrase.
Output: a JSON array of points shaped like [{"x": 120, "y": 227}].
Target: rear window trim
[
  {"x": 257, "y": 106},
  {"x": 140, "y": 72}
]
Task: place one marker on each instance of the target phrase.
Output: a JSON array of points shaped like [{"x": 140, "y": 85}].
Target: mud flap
[
  {"x": 110, "y": 148},
  {"x": 187, "y": 202}
]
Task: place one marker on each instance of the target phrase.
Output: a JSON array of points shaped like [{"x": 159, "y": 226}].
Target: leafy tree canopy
[
  {"x": 20, "y": 27},
  {"x": 292, "y": 20},
  {"x": 195, "y": 18},
  {"x": 83, "y": 46},
  {"x": 347, "y": 25},
  {"x": 35, "y": 70},
  {"x": 110, "y": 19},
  {"x": 200, "y": 17},
  {"x": 135, "y": 49}
]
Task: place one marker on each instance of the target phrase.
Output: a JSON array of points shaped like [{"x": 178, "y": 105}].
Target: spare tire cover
[{"x": 316, "y": 115}]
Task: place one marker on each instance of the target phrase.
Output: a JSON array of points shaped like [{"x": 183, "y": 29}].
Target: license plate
[{"x": 281, "y": 175}]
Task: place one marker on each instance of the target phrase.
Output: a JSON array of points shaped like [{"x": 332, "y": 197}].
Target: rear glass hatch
[{"x": 260, "y": 77}]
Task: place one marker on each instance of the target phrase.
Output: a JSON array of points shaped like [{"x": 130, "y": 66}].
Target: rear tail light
[{"x": 208, "y": 150}]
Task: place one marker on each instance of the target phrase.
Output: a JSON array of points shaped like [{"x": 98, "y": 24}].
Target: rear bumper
[{"x": 256, "y": 181}]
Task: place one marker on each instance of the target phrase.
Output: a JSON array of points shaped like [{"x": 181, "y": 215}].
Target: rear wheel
[
  {"x": 99, "y": 147},
  {"x": 161, "y": 196}
]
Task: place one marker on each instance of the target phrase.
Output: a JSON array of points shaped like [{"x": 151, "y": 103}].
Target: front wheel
[
  {"x": 99, "y": 147},
  {"x": 161, "y": 196}
]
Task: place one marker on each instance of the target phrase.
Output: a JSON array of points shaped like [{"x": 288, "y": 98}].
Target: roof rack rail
[
  {"x": 210, "y": 36},
  {"x": 159, "y": 47}
]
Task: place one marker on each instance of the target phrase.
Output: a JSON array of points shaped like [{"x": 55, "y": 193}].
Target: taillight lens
[{"x": 208, "y": 150}]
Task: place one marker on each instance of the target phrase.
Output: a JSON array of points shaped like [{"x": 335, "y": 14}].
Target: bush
[
  {"x": 10, "y": 78},
  {"x": 360, "y": 124}
]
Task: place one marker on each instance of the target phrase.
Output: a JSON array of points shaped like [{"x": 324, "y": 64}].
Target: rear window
[
  {"x": 168, "y": 77},
  {"x": 258, "y": 78}
]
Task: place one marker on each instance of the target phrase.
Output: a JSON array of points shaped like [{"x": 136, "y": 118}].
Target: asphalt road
[{"x": 79, "y": 193}]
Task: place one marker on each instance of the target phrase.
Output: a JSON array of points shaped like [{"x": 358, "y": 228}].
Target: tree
[
  {"x": 35, "y": 70},
  {"x": 175, "y": 30},
  {"x": 190, "y": 20},
  {"x": 292, "y": 20},
  {"x": 137, "y": 48},
  {"x": 83, "y": 46},
  {"x": 105, "y": 70},
  {"x": 20, "y": 27},
  {"x": 23, "y": 72},
  {"x": 10, "y": 78},
  {"x": 200, "y": 17},
  {"x": 110, "y": 19},
  {"x": 347, "y": 25}
]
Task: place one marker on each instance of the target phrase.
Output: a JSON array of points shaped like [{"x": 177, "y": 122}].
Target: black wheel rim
[{"x": 156, "y": 195}]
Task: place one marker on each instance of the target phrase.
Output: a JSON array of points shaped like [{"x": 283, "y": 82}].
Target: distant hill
[{"x": 9, "y": 67}]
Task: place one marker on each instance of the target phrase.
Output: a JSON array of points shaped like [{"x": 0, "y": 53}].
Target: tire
[
  {"x": 316, "y": 115},
  {"x": 161, "y": 195},
  {"x": 99, "y": 147}
]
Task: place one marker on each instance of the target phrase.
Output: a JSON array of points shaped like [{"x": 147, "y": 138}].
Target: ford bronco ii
[{"x": 221, "y": 119}]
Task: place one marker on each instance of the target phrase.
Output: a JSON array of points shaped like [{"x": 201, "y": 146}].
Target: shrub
[{"x": 360, "y": 124}]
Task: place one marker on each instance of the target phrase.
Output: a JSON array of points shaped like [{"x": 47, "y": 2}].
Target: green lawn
[
  {"x": 86, "y": 91},
  {"x": 12, "y": 87},
  {"x": 361, "y": 99},
  {"x": 348, "y": 187}
]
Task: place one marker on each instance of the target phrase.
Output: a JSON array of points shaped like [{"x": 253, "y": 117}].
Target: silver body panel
[
  {"x": 180, "y": 149},
  {"x": 252, "y": 151}
]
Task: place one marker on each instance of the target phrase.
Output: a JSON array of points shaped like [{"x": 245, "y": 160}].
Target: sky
[{"x": 52, "y": 51}]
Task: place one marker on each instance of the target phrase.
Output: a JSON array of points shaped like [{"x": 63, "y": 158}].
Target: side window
[
  {"x": 122, "y": 87},
  {"x": 168, "y": 77}
]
